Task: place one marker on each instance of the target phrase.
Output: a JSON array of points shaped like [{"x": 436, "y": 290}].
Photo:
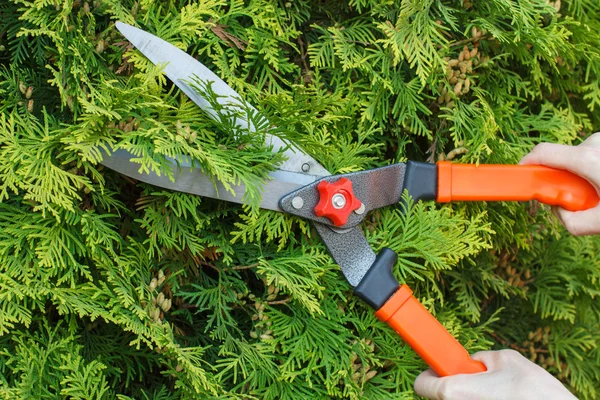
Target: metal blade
[
  {"x": 192, "y": 180},
  {"x": 181, "y": 69}
]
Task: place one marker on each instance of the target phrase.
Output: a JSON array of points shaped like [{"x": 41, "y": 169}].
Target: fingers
[
  {"x": 491, "y": 359},
  {"x": 428, "y": 385},
  {"x": 580, "y": 223},
  {"x": 550, "y": 154},
  {"x": 583, "y": 160},
  {"x": 496, "y": 360},
  {"x": 593, "y": 140},
  {"x": 431, "y": 386},
  {"x": 463, "y": 386},
  {"x": 456, "y": 387}
]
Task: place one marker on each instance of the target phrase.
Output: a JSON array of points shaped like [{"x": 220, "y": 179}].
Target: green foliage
[{"x": 111, "y": 288}]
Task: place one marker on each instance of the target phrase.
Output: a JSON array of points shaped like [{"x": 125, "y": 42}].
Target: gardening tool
[{"x": 337, "y": 204}]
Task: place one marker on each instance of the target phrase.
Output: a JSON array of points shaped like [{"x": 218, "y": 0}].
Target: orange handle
[
  {"x": 428, "y": 338},
  {"x": 514, "y": 183}
]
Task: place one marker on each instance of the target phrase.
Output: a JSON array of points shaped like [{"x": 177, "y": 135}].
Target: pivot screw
[
  {"x": 338, "y": 201},
  {"x": 297, "y": 202}
]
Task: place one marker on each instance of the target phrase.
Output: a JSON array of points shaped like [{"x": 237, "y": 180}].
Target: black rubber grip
[
  {"x": 421, "y": 180},
  {"x": 378, "y": 284}
]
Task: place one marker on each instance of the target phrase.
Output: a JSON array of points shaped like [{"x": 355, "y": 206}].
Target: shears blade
[
  {"x": 183, "y": 70},
  {"x": 192, "y": 180}
]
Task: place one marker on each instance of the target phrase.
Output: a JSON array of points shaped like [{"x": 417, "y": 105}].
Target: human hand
[
  {"x": 509, "y": 376},
  {"x": 583, "y": 160}
]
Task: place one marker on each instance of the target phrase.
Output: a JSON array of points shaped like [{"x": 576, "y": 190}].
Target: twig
[
  {"x": 210, "y": 266},
  {"x": 465, "y": 41},
  {"x": 431, "y": 150},
  {"x": 282, "y": 301},
  {"x": 238, "y": 267},
  {"x": 455, "y": 152},
  {"x": 303, "y": 54}
]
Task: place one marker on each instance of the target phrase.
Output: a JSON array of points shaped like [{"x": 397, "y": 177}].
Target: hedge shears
[{"x": 337, "y": 204}]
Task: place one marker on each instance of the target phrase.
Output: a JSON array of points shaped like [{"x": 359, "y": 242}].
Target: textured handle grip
[
  {"x": 428, "y": 338},
  {"x": 514, "y": 183}
]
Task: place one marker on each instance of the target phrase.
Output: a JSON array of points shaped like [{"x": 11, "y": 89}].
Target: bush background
[{"x": 255, "y": 307}]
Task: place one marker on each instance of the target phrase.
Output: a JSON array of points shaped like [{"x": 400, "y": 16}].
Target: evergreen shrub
[{"x": 111, "y": 288}]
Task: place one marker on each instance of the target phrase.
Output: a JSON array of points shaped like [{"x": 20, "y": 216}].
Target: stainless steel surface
[
  {"x": 375, "y": 188},
  {"x": 361, "y": 209},
  {"x": 192, "y": 180},
  {"x": 350, "y": 249},
  {"x": 182, "y": 70}
]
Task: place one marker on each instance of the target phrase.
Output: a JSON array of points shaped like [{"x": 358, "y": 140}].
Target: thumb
[
  {"x": 580, "y": 160},
  {"x": 580, "y": 223},
  {"x": 429, "y": 385}
]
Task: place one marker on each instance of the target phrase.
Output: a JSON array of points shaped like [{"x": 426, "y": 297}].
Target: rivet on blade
[
  {"x": 305, "y": 167},
  {"x": 297, "y": 202},
  {"x": 360, "y": 210}
]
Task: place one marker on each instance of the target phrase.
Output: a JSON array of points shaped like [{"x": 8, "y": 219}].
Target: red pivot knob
[{"x": 337, "y": 201}]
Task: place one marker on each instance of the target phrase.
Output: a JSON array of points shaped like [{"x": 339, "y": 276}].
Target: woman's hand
[
  {"x": 583, "y": 160},
  {"x": 510, "y": 376}
]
